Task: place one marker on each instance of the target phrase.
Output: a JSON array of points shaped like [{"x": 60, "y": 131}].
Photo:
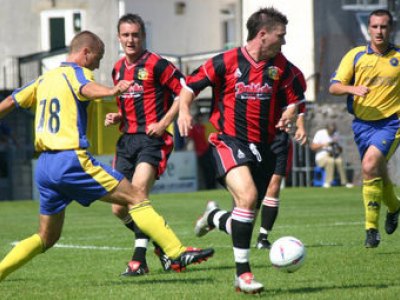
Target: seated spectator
[{"x": 329, "y": 154}]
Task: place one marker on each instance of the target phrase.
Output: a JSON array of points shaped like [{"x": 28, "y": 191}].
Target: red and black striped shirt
[
  {"x": 248, "y": 96},
  {"x": 156, "y": 82}
]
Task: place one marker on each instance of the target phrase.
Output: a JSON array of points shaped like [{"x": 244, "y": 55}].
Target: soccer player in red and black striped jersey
[
  {"x": 251, "y": 87},
  {"x": 281, "y": 146},
  {"x": 144, "y": 112}
]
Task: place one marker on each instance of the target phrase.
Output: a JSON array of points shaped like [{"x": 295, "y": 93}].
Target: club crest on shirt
[
  {"x": 143, "y": 74},
  {"x": 394, "y": 62},
  {"x": 273, "y": 73}
]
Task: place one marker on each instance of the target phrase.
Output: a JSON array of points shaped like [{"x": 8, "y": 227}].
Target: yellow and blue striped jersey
[
  {"x": 380, "y": 73},
  {"x": 60, "y": 108}
]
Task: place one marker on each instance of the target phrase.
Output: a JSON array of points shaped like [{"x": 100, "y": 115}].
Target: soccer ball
[{"x": 287, "y": 254}]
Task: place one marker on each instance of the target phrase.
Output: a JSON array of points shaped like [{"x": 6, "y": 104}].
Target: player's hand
[
  {"x": 287, "y": 122},
  {"x": 360, "y": 90},
  {"x": 185, "y": 123},
  {"x": 122, "y": 86},
  {"x": 155, "y": 129},
  {"x": 112, "y": 119},
  {"x": 300, "y": 136}
]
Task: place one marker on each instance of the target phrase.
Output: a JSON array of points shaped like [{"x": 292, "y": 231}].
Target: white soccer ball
[{"x": 287, "y": 254}]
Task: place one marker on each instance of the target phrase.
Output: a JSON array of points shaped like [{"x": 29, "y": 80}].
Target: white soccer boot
[
  {"x": 247, "y": 284},
  {"x": 201, "y": 227}
]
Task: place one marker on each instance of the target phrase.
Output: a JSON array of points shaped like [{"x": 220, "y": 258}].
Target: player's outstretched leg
[
  {"x": 152, "y": 224},
  {"x": 164, "y": 259},
  {"x": 191, "y": 256},
  {"x": 22, "y": 253},
  {"x": 202, "y": 226}
]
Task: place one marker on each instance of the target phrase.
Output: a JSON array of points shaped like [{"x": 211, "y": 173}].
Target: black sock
[
  {"x": 139, "y": 253},
  {"x": 242, "y": 229},
  {"x": 268, "y": 217}
]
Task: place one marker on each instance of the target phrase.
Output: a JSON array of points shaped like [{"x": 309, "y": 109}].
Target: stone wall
[{"x": 319, "y": 115}]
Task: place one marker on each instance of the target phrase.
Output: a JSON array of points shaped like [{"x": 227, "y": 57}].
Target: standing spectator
[
  {"x": 251, "y": 86},
  {"x": 203, "y": 152},
  {"x": 329, "y": 154},
  {"x": 144, "y": 112},
  {"x": 65, "y": 170},
  {"x": 369, "y": 76}
]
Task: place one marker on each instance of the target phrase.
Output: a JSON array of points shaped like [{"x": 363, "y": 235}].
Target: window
[
  {"x": 58, "y": 27},
  {"x": 364, "y": 4}
]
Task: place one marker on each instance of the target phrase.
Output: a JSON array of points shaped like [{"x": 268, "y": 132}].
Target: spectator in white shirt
[{"x": 329, "y": 154}]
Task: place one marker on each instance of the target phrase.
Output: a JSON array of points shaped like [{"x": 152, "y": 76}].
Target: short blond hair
[{"x": 86, "y": 39}]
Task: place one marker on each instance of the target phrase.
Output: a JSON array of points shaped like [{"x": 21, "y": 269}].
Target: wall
[
  {"x": 336, "y": 32},
  {"x": 299, "y": 47},
  {"x": 20, "y": 30},
  {"x": 198, "y": 29}
]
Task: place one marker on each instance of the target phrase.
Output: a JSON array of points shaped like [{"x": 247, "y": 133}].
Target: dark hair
[
  {"x": 381, "y": 12},
  {"x": 86, "y": 39},
  {"x": 265, "y": 17},
  {"x": 132, "y": 19}
]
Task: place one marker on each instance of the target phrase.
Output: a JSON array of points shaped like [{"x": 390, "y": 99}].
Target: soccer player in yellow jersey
[
  {"x": 369, "y": 75},
  {"x": 65, "y": 170}
]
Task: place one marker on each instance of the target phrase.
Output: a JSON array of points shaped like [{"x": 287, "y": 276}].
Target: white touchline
[
  {"x": 107, "y": 248},
  {"x": 83, "y": 247}
]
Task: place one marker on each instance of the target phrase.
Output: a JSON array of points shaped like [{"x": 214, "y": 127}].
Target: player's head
[
  {"x": 266, "y": 31},
  {"x": 380, "y": 25},
  {"x": 90, "y": 47},
  {"x": 380, "y": 13},
  {"x": 132, "y": 35},
  {"x": 132, "y": 19},
  {"x": 265, "y": 18}
]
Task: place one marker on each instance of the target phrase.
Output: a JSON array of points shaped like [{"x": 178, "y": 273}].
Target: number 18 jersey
[{"x": 60, "y": 108}]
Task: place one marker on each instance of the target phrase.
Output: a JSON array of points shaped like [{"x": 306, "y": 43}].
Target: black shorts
[
  {"x": 280, "y": 149},
  {"x": 133, "y": 149},
  {"x": 229, "y": 152}
]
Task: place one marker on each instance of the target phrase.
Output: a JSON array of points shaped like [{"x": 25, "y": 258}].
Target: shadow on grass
[
  {"x": 311, "y": 290},
  {"x": 147, "y": 280}
]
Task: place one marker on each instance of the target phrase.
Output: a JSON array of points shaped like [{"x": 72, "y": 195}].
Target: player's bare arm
[
  {"x": 301, "y": 134},
  {"x": 6, "y": 106},
  {"x": 339, "y": 89},
  {"x": 158, "y": 128},
  {"x": 94, "y": 90},
  {"x": 185, "y": 119}
]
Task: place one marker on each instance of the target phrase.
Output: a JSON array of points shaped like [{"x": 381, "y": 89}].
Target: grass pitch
[{"x": 95, "y": 247}]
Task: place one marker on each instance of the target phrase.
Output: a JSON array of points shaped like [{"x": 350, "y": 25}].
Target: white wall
[
  {"x": 299, "y": 47},
  {"x": 197, "y": 30},
  {"x": 394, "y": 168}
]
